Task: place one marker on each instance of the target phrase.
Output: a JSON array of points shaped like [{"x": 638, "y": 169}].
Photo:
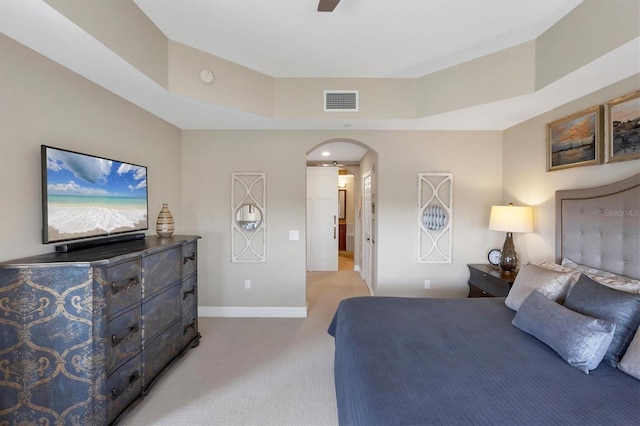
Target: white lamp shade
[{"x": 511, "y": 218}]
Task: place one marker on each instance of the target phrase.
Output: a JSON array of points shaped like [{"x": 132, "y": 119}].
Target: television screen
[{"x": 85, "y": 196}]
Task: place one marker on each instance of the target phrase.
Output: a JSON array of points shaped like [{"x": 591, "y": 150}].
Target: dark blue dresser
[{"x": 84, "y": 334}]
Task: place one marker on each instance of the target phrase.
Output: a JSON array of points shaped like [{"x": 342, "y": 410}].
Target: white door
[
  {"x": 366, "y": 228},
  {"x": 322, "y": 218}
]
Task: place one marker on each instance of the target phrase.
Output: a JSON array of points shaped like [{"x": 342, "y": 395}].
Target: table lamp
[{"x": 510, "y": 219}]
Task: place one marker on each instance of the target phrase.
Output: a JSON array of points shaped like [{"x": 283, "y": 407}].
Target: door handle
[{"x": 334, "y": 226}]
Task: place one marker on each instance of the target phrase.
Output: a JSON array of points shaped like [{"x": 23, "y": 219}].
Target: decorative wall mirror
[
  {"x": 435, "y": 224},
  {"x": 248, "y": 217}
]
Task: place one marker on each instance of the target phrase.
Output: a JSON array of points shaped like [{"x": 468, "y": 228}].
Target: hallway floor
[{"x": 345, "y": 260}]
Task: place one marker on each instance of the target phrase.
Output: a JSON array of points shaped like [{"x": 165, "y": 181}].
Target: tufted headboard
[{"x": 600, "y": 227}]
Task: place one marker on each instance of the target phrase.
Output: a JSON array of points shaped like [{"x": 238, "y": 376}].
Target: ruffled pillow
[{"x": 619, "y": 282}]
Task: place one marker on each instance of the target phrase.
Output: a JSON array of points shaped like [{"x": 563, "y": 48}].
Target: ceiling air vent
[{"x": 340, "y": 100}]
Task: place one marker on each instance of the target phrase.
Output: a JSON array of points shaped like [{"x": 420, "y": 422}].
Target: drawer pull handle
[
  {"x": 192, "y": 325},
  {"x": 187, "y": 293},
  {"x": 187, "y": 258},
  {"x": 115, "y": 392},
  {"x": 115, "y": 341},
  {"x": 117, "y": 289}
]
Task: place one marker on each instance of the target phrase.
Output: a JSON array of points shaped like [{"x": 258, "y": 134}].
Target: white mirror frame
[
  {"x": 435, "y": 217},
  {"x": 248, "y": 245}
]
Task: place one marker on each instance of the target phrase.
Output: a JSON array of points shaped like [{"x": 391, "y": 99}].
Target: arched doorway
[{"x": 359, "y": 160}]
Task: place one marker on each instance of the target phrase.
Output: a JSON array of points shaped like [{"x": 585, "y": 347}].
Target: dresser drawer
[
  {"x": 123, "y": 387},
  {"x": 124, "y": 286},
  {"x": 161, "y": 310},
  {"x": 189, "y": 326},
  {"x": 124, "y": 338},
  {"x": 189, "y": 293},
  {"x": 161, "y": 351},
  {"x": 488, "y": 283},
  {"x": 160, "y": 270},
  {"x": 189, "y": 259}
]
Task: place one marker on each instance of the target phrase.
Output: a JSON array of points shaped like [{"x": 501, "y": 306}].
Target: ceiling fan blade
[{"x": 327, "y": 5}]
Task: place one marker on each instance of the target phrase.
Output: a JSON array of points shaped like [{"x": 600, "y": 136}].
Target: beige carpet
[{"x": 256, "y": 371}]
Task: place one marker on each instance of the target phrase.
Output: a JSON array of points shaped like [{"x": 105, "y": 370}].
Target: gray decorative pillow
[
  {"x": 580, "y": 340},
  {"x": 553, "y": 284},
  {"x": 630, "y": 362},
  {"x": 591, "y": 298}
]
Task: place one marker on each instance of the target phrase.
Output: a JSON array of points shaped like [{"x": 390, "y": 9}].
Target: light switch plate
[{"x": 294, "y": 235}]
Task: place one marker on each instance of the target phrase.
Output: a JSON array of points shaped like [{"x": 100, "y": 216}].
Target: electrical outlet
[
  {"x": 247, "y": 284},
  {"x": 427, "y": 283}
]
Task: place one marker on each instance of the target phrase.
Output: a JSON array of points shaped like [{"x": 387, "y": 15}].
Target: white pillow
[
  {"x": 619, "y": 282},
  {"x": 552, "y": 266},
  {"x": 630, "y": 362},
  {"x": 554, "y": 285},
  {"x": 559, "y": 268}
]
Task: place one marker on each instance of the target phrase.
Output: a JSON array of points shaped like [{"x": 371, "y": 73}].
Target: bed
[{"x": 413, "y": 361}]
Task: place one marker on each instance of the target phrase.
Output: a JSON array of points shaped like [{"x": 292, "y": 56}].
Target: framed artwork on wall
[
  {"x": 622, "y": 132},
  {"x": 575, "y": 140}
]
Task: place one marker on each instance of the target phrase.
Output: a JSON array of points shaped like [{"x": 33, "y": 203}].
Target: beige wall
[
  {"x": 235, "y": 86},
  {"x": 44, "y": 103},
  {"x": 501, "y": 75},
  {"x": 475, "y": 161},
  {"x": 208, "y": 159},
  {"x": 191, "y": 171},
  {"x": 121, "y": 26},
  {"x": 210, "y": 156},
  {"x": 585, "y": 35},
  {"x": 527, "y": 182},
  {"x": 592, "y": 29}
]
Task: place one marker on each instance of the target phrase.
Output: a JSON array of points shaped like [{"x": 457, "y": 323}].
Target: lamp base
[{"x": 509, "y": 258}]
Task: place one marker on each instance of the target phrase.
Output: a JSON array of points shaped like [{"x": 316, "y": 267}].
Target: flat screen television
[{"x": 84, "y": 196}]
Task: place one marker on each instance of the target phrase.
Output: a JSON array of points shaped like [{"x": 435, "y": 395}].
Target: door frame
[
  {"x": 367, "y": 225},
  {"x": 374, "y": 187}
]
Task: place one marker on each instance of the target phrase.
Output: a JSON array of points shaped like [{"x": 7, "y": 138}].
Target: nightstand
[{"x": 485, "y": 281}]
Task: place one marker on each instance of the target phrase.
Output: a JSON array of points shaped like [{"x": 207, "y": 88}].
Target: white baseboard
[
  {"x": 357, "y": 268},
  {"x": 251, "y": 312}
]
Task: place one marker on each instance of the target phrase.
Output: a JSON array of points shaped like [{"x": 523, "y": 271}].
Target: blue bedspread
[{"x": 405, "y": 361}]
